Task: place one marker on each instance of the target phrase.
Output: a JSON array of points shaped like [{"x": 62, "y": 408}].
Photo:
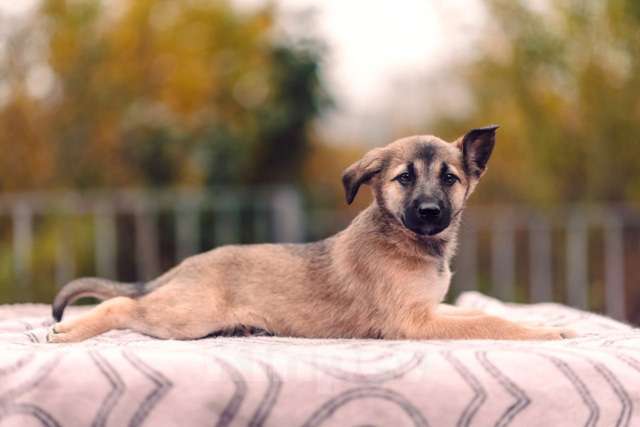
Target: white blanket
[{"x": 123, "y": 378}]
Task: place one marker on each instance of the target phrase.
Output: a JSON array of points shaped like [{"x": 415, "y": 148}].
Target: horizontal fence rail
[
  {"x": 580, "y": 255},
  {"x": 275, "y": 215}
]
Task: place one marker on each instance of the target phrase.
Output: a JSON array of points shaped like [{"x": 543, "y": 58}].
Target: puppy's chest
[{"x": 428, "y": 286}]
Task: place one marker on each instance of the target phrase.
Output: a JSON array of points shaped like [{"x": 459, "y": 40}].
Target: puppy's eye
[
  {"x": 450, "y": 179},
  {"x": 404, "y": 178}
]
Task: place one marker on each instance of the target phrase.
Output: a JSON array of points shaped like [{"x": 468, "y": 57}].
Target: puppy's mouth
[{"x": 428, "y": 230}]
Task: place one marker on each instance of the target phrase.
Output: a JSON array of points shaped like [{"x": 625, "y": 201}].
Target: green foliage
[
  {"x": 145, "y": 93},
  {"x": 564, "y": 83},
  {"x": 156, "y": 93}
]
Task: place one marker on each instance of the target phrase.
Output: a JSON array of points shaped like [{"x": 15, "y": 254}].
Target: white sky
[
  {"x": 384, "y": 56},
  {"x": 372, "y": 40},
  {"x": 382, "y": 52}
]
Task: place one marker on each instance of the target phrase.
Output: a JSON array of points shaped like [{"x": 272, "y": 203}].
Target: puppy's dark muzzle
[
  {"x": 427, "y": 218},
  {"x": 429, "y": 212}
]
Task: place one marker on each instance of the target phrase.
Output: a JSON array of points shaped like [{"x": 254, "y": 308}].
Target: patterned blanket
[{"x": 123, "y": 378}]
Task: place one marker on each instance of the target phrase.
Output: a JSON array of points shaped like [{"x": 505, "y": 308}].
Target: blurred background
[{"x": 136, "y": 133}]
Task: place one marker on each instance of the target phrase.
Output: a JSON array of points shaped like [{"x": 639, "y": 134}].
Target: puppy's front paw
[
  {"x": 567, "y": 333},
  {"x": 552, "y": 333}
]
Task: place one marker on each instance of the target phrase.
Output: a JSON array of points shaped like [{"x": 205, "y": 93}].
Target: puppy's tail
[{"x": 93, "y": 287}]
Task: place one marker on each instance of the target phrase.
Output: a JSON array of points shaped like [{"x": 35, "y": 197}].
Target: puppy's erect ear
[
  {"x": 477, "y": 146},
  {"x": 361, "y": 172}
]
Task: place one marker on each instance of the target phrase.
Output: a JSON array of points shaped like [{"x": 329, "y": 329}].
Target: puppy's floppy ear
[
  {"x": 361, "y": 172},
  {"x": 477, "y": 146}
]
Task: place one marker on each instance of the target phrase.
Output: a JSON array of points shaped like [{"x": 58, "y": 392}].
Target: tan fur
[{"x": 374, "y": 279}]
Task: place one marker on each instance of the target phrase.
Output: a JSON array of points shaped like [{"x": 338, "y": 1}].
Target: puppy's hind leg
[
  {"x": 115, "y": 313},
  {"x": 179, "y": 310}
]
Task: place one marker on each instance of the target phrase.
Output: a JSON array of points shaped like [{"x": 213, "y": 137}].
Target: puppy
[{"x": 384, "y": 276}]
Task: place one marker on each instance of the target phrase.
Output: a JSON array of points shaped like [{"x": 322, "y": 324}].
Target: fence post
[
  {"x": 260, "y": 222},
  {"x": 503, "y": 257},
  {"x": 187, "y": 227},
  {"x": 577, "y": 277},
  {"x": 65, "y": 253},
  {"x": 146, "y": 241},
  {"x": 467, "y": 260},
  {"x": 614, "y": 267},
  {"x": 540, "y": 264},
  {"x": 287, "y": 215},
  {"x": 22, "y": 217},
  {"x": 227, "y": 214},
  {"x": 105, "y": 240}
]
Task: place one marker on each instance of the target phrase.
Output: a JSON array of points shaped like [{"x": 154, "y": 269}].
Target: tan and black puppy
[{"x": 385, "y": 276}]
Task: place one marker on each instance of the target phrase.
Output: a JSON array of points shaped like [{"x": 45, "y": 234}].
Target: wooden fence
[{"x": 580, "y": 255}]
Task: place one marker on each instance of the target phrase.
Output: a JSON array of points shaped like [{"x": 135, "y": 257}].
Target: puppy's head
[{"x": 423, "y": 181}]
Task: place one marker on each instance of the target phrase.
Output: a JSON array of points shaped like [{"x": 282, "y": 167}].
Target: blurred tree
[
  {"x": 563, "y": 80},
  {"x": 154, "y": 93}
]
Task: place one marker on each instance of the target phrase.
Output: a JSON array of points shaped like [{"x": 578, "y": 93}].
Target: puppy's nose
[{"x": 429, "y": 211}]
